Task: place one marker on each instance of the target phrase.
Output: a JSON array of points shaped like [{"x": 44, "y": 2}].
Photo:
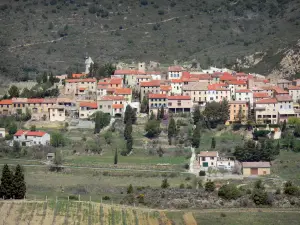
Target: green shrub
[
  {"x": 165, "y": 184},
  {"x": 210, "y": 186},
  {"x": 290, "y": 188},
  {"x": 229, "y": 192},
  {"x": 259, "y": 197},
  {"x": 106, "y": 198},
  {"x": 202, "y": 173},
  {"x": 181, "y": 186}
]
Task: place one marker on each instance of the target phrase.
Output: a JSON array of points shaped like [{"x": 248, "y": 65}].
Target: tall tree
[
  {"x": 196, "y": 136},
  {"x": 152, "y": 128},
  {"x": 45, "y": 77},
  {"x": 128, "y": 114},
  {"x": 51, "y": 78},
  {"x": 213, "y": 143},
  {"x": 116, "y": 157},
  {"x": 145, "y": 105},
  {"x": 224, "y": 108},
  {"x": 162, "y": 112},
  {"x": 152, "y": 116},
  {"x": 283, "y": 126},
  {"x": 97, "y": 123},
  {"x": 196, "y": 114},
  {"x": 158, "y": 114},
  {"x": 16, "y": 147},
  {"x": 171, "y": 130},
  {"x": 13, "y": 91},
  {"x": 129, "y": 144},
  {"x": 128, "y": 129},
  {"x": 19, "y": 185},
  {"x": 6, "y": 188},
  {"x": 240, "y": 115}
]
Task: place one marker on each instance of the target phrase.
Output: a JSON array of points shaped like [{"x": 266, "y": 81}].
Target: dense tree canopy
[{"x": 216, "y": 113}]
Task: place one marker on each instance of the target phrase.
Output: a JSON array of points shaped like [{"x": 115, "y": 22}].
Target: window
[
  {"x": 203, "y": 158},
  {"x": 109, "y": 106},
  {"x": 170, "y": 104},
  {"x": 212, "y": 158},
  {"x": 212, "y": 163}
]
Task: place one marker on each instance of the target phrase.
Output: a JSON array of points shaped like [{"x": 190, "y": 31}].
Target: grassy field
[
  {"x": 65, "y": 212},
  {"x": 287, "y": 166}
]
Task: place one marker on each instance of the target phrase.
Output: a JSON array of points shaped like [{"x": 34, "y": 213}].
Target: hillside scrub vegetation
[{"x": 141, "y": 30}]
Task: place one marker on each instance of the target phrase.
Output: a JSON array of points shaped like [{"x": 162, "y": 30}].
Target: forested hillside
[{"x": 38, "y": 35}]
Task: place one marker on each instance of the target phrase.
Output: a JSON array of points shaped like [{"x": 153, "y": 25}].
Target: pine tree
[
  {"x": 213, "y": 143},
  {"x": 128, "y": 129},
  {"x": 6, "y": 188},
  {"x": 196, "y": 136},
  {"x": 171, "y": 130},
  {"x": 51, "y": 78},
  {"x": 116, "y": 157},
  {"x": 45, "y": 77},
  {"x": 19, "y": 185},
  {"x": 162, "y": 112}
]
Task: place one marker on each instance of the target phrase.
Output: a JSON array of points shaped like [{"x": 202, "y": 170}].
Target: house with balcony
[
  {"x": 176, "y": 85},
  {"x": 197, "y": 91},
  {"x": 285, "y": 107},
  {"x": 31, "y": 138},
  {"x": 266, "y": 111},
  {"x": 238, "y": 111},
  {"x": 179, "y": 103},
  {"x": 156, "y": 101}
]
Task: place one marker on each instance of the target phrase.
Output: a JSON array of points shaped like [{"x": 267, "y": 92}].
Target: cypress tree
[
  {"x": 97, "y": 123},
  {"x": 116, "y": 157},
  {"x": 196, "y": 136},
  {"x": 213, "y": 143},
  {"x": 158, "y": 114},
  {"x": 19, "y": 185},
  {"x": 6, "y": 188},
  {"x": 196, "y": 115},
  {"x": 152, "y": 117},
  {"x": 133, "y": 116},
  {"x": 129, "y": 144},
  {"x": 171, "y": 130},
  {"x": 128, "y": 114},
  {"x": 162, "y": 112},
  {"x": 128, "y": 129}
]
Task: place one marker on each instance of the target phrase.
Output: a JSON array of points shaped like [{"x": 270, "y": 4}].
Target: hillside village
[{"x": 252, "y": 99}]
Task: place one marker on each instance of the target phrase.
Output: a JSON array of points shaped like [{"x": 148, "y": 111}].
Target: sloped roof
[
  {"x": 260, "y": 95},
  {"x": 81, "y": 80},
  {"x": 112, "y": 98},
  {"x": 123, "y": 91},
  {"x": 208, "y": 154},
  {"x": 157, "y": 96},
  {"x": 6, "y": 102},
  {"x": 175, "y": 69},
  {"x": 284, "y": 98},
  {"x": 92, "y": 105},
  {"x": 243, "y": 91},
  {"x": 179, "y": 97},
  {"x": 153, "y": 83},
  {"x": 267, "y": 101}
]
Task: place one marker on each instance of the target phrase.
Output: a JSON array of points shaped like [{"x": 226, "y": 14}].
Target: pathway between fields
[{"x": 192, "y": 160}]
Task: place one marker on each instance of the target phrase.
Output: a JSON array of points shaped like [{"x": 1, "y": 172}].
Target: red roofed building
[
  {"x": 259, "y": 95},
  {"x": 294, "y": 91},
  {"x": 226, "y": 77},
  {"x": 285, "y": 107},
  {"x": 125, "y": 92},
  {"x": 175, "y": 72},
  {"x": 72, "y": 85},
  {"x": 156, "y": 101},
  {"x": 179, "y": 103},
  {"x": 86, "y": 109},
  {"x": 105, "y": 104},
  {"x": 279, "y": 91},
  {"x": 149, "y": 87},
  {"x": 6, "y": 107},
  {"x": 165, "y": 89},
  {"x": 78, "y": 75},
  {"x": 266, "y": 111},
  {"x": 218, "y": 92},
  {"x": 31, "y": 138}
]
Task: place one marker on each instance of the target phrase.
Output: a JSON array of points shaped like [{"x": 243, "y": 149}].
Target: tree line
[{"x": 12, "y": 184}]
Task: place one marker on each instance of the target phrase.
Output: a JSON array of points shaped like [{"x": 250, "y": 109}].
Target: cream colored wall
[{"x": 247, "y": 171}]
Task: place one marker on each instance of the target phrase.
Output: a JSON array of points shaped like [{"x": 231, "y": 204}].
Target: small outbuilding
[
  {"x": 2, "y": 132},
  {"x": 256, "y": 168}
]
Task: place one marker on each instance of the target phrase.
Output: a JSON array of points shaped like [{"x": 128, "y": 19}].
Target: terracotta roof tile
[
  {"x": 208, "y": 154},
  {"x": 243, "y": 91},
  {"x": 112, "y": 98},
  {"x": 6, "y": 102},
  {"x": 78, "y": 75},
  {"x": 128, "y": 72},
  {"x": 151, "y": 96},
  {"x": 294, "y": 87},
  {"x": 36, "y": 133},
  {"x": 267, "y": 101},
  {"x": 81, "y": 80},
  {"x": 175, "y": 69},
  {"x": 179, "y": 97},
  {"x": 123, "y": 91},
  {"x": 92, "y": 105},
  {"x": 260, "y": 95},
  {"x": 165, "y": 88},
  {"x": 284, "y": 98},
  {"x": 153, "y": 83}
]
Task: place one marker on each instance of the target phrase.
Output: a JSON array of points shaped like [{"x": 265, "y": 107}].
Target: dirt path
[
  {"x": 189, "y": 219},
  {"x": 192, "y": 160}
]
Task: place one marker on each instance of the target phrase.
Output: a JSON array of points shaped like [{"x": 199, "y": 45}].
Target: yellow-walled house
[{"x": 256, "y": 168}]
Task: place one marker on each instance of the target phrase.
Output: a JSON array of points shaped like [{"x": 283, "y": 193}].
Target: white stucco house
[{"x": 31, "y": 138}]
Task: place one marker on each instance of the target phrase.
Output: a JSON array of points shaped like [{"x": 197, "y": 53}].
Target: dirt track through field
[{"x": 189, "y": 219}]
